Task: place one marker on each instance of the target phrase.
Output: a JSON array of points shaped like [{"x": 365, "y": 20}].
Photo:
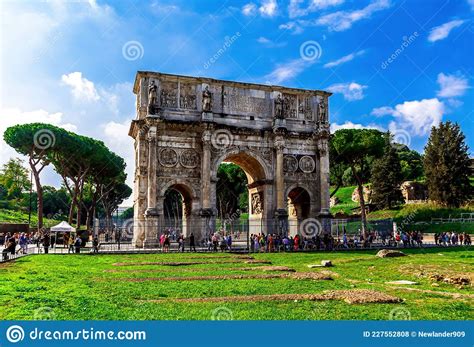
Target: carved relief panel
[
  {"x": 187, "y": 96},
  {"x": 304, "y": 108},
  {"x": 169, "y": 94},
  {"x": 298, "y": 164},
  {"x": 290, "y": 163},
  {"x": 257, "y": 203},
  {"x": 289, "y": 106}
]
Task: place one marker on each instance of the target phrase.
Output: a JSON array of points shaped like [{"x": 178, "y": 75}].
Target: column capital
[
  {"x": 206, "y": 137},
  {"x": 279, "y": 143},
  {"x": 323, "y": 146},
  {"x": 152, "y": 133}
]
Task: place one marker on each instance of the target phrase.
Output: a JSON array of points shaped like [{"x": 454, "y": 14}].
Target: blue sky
[{"x": 398, "y": 65}]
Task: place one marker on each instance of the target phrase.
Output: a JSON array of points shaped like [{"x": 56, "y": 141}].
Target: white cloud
[
  {"x": 269, "y": 43},
  {"x": 344, "y": 59},
  {"x": 268, "y": 8},
  {"x": 382, "y": 111},
  {"x": 351, "y": 91},
  {"x": 343, "y": 20},
  {"x": 441, "y": 32},
  {"x": 82, "y": 88},
  {"x": 263, "y": 40},
  {"x": 294, "y": 9},
  {"x": 417, "y": 116},
  {"x": 350, "y": 125},
  {"x": 451, "y": 85},
  {"x": 285, "y": 72},
  {"x": 249, "y": 9},
  {"x": 294, "y": 27}
]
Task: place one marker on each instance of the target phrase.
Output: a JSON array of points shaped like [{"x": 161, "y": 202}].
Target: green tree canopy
[
  {"x": 447, "y": 165},
  {"x": 356, "y": 148},
  {"x": 386, "y": 177},
  {"x": 14, "y": 177}
]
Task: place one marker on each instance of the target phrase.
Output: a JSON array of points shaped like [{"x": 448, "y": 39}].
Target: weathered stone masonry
[{"x": 187, "y": 126}]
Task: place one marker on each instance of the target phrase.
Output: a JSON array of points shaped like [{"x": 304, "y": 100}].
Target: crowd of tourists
[
  {"x": 18, "y": 243},
  {"x": 452, "y": 238}
]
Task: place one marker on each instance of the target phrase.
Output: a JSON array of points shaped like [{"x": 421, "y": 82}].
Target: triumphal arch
[{"x": 187, "y": 126}]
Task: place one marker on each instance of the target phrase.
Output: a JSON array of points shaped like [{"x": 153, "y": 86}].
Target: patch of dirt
[
  {"x": 436, "y": 273},
  {"x": 202, "y": 278},
  {"x": 453, "y": 295},
  {"x": 457, "y": 280},
  {"x": 310, "y": 276},
  {"x": 389, "y": 253},
  {"x": 248, "y": 257},
  {"x": 178, "y": 263},
  {"x": 297, "y": 276},
  {"x": 264, "y": 268},
  {"x": 257, "y": 261},
  {"x": 353, "y": 296}
]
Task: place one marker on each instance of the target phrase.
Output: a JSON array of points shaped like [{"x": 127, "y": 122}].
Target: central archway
[{"x": 259, "y": 185}]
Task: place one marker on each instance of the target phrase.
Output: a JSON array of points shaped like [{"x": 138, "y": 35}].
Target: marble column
[
  {"x": 151, "y": 213},
  {"x": 279, "y": 175},
  {"x": 206, "y": 170},
  {"x": 140, "y": 184},
  {"x": 325, "y": 214},
  {"x": 324, "y": 174},
  {"x": 207, "y": 212},
  {"x": 281, "y": 214}
]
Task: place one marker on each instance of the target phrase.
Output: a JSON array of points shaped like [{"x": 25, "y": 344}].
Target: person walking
[
  {"x": 23, "y": 241},
  {"x": 77, "y": 244},
  {"x": 166, "y": 244},
  {"x": 192, "y": 243},
  {"x": 46, "y": 242},
  {"x": 95, "y": 244},
  {"x": 70, "y": 244},
  {"x": 180, "y": 243}
]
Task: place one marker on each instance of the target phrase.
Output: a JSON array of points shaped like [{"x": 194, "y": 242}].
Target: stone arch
[
  {"x": 190, "y": 198},
  {"x": 253, "y": 165},
  {"x": 302, "y": 186},
  {"x": 259, "y": 178},
  {"x": 186, "y": 187},
  {"x": 299, "y": 205}
]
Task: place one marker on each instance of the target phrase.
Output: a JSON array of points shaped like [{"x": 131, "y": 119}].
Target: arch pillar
[
  {"x": 151, "y": 213},
  {"x": 281, "y": 214},
  {"x": 207, "y": 215}
]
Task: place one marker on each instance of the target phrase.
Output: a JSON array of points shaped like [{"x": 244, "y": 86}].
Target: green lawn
[
  {"x": 10, "y": 216},
  {"x": 83, "y": 287}
]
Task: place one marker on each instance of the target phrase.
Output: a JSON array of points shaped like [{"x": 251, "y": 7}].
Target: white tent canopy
[{"x": 63, "y": 227}]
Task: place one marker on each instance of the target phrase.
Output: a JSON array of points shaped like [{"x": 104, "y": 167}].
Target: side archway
[
  {"x": 299, "y": 207},
  {"x": 180, "y": 221}
]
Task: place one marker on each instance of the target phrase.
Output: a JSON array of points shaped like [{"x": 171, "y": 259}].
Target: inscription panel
[{"x": 246, "y": 101}]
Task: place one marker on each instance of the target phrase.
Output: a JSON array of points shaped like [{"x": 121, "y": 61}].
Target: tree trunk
[
  {"x": 39, "y": 191},
  {"x": 79, "y": 204},
  {"x": 91, "y": 210},
  {"x": 360, "y": 190}
]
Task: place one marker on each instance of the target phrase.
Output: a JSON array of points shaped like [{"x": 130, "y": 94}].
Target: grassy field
[
  {"x": 84, "y": 287},
  {"x": 10, "y": 216},
  {"x": 413, "y": 216}
]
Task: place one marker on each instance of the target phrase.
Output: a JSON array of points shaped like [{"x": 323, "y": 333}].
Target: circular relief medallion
[
  {"x": 290, "y": 163},
  {"x": 168, "y": 157},
  {"x": 307, "y": 164},
  {"x": 189, "y": 158}
]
